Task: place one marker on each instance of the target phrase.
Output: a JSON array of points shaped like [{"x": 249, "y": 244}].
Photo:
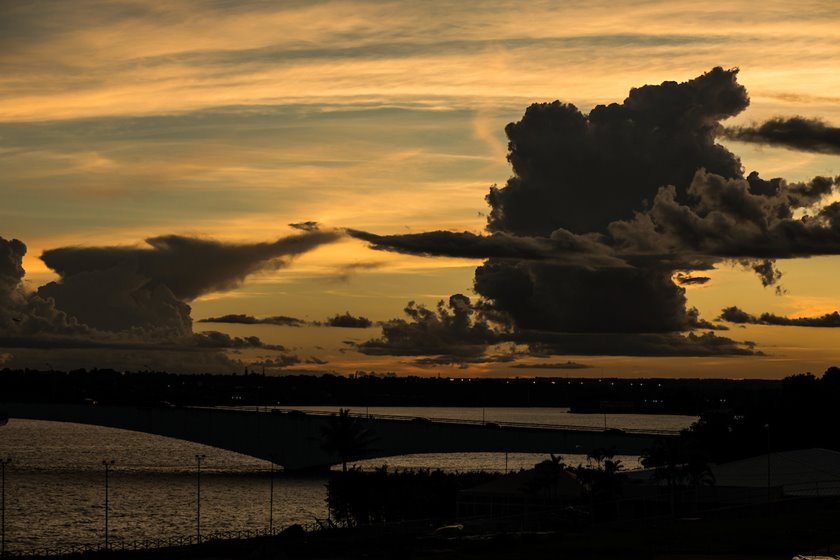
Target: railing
[
  {"x": 144, "y": 544},
  {"x": 436, "y": 420}
]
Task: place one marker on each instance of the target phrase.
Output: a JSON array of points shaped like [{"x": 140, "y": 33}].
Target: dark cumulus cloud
[
  {"x": 460, "y": 332},
  {"x": 796, "y": 133},
  {"x": 120, "y": 302},
  {"x": 453, "y": 331},
  {"x": 118, "y": 288},
  {"x": 348, "y": 321},
  {"x": 609, "y": 215},
  {"x": 23, "y": 314},
  {"x": 240, "y": 319},
  {"x": 737, "y": 315},
  {"x": 581, "y": 172}
]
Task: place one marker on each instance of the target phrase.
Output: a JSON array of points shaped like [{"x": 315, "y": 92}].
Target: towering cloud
[
  {"x": 117, "y": 288},
  {"x": 605, "y": 209},
  {"x": 130, "y": 303},
  {"x": 582, "y": 172}
]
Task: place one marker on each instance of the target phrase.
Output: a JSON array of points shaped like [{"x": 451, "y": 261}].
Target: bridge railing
[{"x": 439, "y": 420}]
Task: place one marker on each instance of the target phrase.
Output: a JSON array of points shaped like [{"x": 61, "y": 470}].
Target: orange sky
[{"x": 120, "y": 121}]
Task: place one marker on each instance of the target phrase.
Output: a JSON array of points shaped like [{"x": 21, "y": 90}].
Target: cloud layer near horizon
[{"x": 738, "y": 316}]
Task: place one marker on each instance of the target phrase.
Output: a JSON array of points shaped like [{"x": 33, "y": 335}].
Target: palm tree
[
  {"x": 678, "y": 460},
  {"x": 345, "y": 436}
]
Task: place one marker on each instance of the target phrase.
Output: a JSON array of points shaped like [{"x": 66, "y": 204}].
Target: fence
[
  {"x": 436, "y": 420},
  {"x": 147, "y": 544}
]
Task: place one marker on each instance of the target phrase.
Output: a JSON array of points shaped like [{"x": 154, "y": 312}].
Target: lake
[{"x": 55, "y": 483}]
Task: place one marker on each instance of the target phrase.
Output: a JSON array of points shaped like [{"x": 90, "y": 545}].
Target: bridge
[{"x": 294, "y": 439}]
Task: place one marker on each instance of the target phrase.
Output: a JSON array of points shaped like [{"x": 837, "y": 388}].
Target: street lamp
[
  {"x": 3, "y": 463},
  {"x": 769, "y": 490},
  {"x": 199, "y": 457},
  {"x": 271, "y": 501},
  {"x": 107, "y": 464}
]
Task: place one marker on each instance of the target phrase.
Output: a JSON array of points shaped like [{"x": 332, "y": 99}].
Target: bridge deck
[{"x": 295, "y": 439}]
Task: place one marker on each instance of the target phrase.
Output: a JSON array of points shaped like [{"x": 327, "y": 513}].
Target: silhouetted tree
[
  {"x": 679, "y": 461},
  {"x": 345, "y": 437},
  {"x": 546, "y": 474}
]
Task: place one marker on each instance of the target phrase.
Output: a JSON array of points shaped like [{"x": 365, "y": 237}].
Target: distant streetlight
[
  {"x": 107, "y": 464},
  {"x": 3, "y": 463},
  {"x": 271, "y": 500},
  {"x": 199, "y": 457},
  {"x": 769, "y": 491}
]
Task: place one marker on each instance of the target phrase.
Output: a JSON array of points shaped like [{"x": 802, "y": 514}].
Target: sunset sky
[{"x": 159, "y": 153}]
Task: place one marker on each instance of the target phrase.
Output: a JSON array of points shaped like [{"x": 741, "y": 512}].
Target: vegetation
[
  {"x": 345, "y": 437},
  {"x": 361, "y": 498}
]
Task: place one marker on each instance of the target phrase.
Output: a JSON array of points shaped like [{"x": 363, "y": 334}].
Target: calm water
[{"x": 55, "y": 485}]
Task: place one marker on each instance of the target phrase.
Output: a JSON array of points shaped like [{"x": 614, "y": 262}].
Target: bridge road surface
[{"x": 294, "y": 439}]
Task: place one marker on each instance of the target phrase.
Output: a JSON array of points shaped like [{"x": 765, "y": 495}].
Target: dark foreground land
[{"x": 780, "y": 532}]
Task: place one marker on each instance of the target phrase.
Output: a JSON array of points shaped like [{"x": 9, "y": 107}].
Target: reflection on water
[{"x": 55, "y": 485}]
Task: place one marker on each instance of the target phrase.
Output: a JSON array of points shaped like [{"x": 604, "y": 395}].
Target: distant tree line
[{"x": 676, "y": 396}]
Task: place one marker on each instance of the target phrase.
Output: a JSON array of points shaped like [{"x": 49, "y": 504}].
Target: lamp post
[
  {"x": 199, "y": 457},
  {"x": 107, "y": 464},
  {"x": 271, "y": 501},
  {"x": 3, "y": 463},
  {"x": 769, "y": 491}
]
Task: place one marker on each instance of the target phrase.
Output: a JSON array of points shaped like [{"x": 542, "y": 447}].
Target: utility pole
[
  {"x": 199, "y": 457},
  {"x": 3, "y": 463},
  {"x": 108, "y": 464}
]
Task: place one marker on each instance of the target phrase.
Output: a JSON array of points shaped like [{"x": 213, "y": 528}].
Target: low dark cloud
[
  {"x": 684, "y": 279},
  {"x": 797, "y": 133},
  {"x": 345, "y": 271},
  {"x": 348, "y": 321},
  {"x": 279, "y": 362},
  {"x": 216, "y": 339},
  {"x": 636, "y": 344},
  {"x": 552, "y": 365},
  {"x": 561, "y": 247},
  {"x": 306, "y": 226},
  {"x": 459, "y": 332},
  {"x": 465, "y": 361},
  {"x": 696, "y": 322},
  {"x": 240, "y": 319},
  {"x": 454, "y": 330},
  {"x": 736, "y": 315}
]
